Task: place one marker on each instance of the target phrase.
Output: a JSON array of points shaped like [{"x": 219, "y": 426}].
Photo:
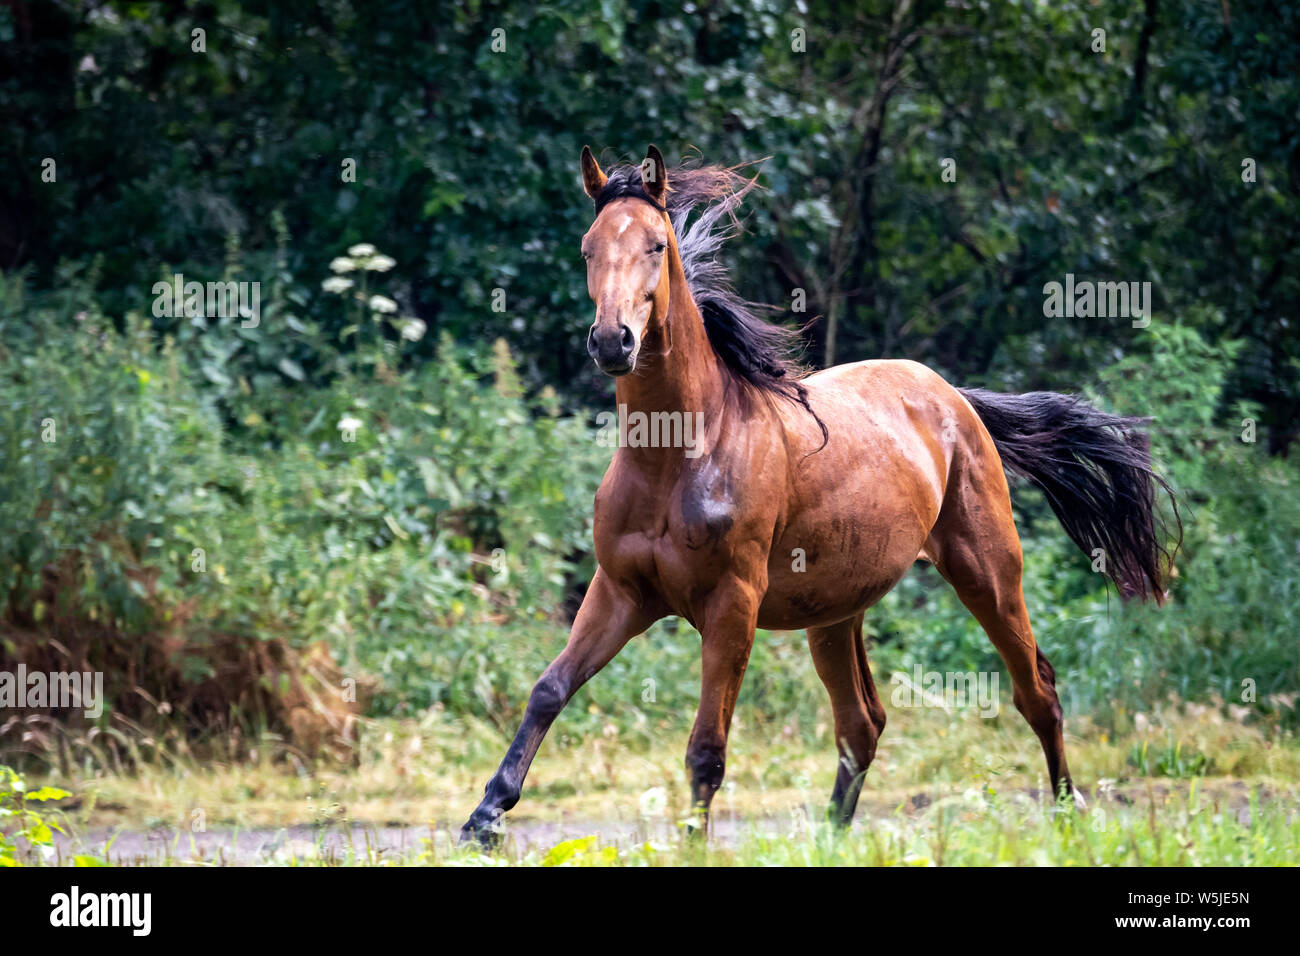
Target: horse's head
[{"x": 626, "y": 250}]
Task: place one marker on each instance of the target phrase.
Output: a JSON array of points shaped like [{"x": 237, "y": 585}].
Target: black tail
[{"x": 1095, "y": 470}]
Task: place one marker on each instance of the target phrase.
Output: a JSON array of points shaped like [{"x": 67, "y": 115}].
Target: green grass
[
  {"x": 1187, "y": 785},
  {"x": 979, "y": 828}
]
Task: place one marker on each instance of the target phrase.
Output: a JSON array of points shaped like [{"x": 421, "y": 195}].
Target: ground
[{"x": 1188, "y": 785}]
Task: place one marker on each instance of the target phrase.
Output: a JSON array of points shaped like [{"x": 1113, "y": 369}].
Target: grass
[{"x": 1185, "y": 785}]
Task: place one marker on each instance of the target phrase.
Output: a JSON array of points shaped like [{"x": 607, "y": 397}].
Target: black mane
[{"x": 757, "y": 353}]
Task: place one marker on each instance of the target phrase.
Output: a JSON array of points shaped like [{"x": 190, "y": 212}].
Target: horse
[{"x": 806, "y": 497}]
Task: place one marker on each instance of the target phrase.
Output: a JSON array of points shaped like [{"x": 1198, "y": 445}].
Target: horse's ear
[
  {"x": 654, "y": 174},
  {"x": 593, "y": 180}
]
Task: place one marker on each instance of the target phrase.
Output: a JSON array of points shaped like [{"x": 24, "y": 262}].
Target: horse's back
[
  {"x": 882, "y": 380},
  {"x": 903, "y": 405}
]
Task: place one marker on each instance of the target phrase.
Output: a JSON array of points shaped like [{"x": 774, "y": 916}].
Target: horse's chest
[
  {"x": 678, "y": 539},
  {"x": 706, "y": 499}
]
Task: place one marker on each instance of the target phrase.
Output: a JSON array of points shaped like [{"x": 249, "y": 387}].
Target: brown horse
[{"x": 803, "y": 500}]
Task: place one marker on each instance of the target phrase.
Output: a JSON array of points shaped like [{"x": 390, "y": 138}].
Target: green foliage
[
  {"x": 580, "y": 852},
  {"x": 1172, "y": 760},
  {"x": 198, "y": 478},
  {"x": 1124, "y": 163},
  {"x": 459, "y": 507},
  {"x": 111, "y": 464},
  {"x": 19, "y": 821},
  {"x": 435, "y": 549},
  {"x": 978, "y": 828}
]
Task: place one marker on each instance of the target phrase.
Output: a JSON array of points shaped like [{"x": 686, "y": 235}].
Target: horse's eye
[{"x": 659, "y": 247}]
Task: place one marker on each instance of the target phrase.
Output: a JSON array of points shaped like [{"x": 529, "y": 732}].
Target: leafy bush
[
  {"x": 449, "y": 504},
  {"x": 19, "y": 821}
]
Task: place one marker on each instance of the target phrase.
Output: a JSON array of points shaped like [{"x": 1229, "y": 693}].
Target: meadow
[
  {"x": 1189, "y": 788},
  {"x": 320, "y": 540},
  {"x": 433, "y": 558}
]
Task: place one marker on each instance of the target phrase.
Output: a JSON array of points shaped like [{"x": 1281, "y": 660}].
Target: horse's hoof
[
  {"x": 1070, "y": 803},
  {"x": 483, "y": 836}
]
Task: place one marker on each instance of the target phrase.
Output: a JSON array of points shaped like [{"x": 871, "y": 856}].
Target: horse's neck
[
  {"x": 678, "y": 370},
  {"x": 678, "y": 373}
]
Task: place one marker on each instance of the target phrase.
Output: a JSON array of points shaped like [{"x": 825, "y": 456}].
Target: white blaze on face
[{"x": 627, "y": 221}]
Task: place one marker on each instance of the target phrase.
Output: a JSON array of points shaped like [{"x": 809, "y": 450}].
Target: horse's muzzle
[{"x": 612, "y": 349}]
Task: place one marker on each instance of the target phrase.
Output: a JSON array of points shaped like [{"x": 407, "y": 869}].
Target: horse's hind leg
[
  {"x": 840, "y": 658},
  {"x": 976, "y": 548}
]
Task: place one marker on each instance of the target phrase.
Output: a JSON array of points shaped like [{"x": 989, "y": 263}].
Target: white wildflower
[
  {"x": 653, "y": 803},
  {"x": 336, "y": 284},
  {"x": 380, "y": 263},
  {"x": 413, "y": 329},
  {"x": 381, "y": 303},
  {"x": 361, "y": 250},
  {"x": 342, "y": 264}
]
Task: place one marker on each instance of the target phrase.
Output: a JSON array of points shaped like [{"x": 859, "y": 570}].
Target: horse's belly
[
  {"x": 826, "y": 573},
  {"x": 793, "y": 602}
]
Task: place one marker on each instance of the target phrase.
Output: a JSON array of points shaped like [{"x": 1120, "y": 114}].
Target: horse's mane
[{"x": 757, "y": 353}]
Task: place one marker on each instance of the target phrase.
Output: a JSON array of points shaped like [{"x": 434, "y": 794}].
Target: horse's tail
[{"x": 1095, "y": 470}]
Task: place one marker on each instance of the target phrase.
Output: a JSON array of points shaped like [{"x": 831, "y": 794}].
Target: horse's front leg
[
  {"x": 727, "y": 630},
  {"x": 607, "y": 620}
]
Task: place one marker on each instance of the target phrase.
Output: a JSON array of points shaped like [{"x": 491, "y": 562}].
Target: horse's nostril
[{"x": 628, "y": 340}]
